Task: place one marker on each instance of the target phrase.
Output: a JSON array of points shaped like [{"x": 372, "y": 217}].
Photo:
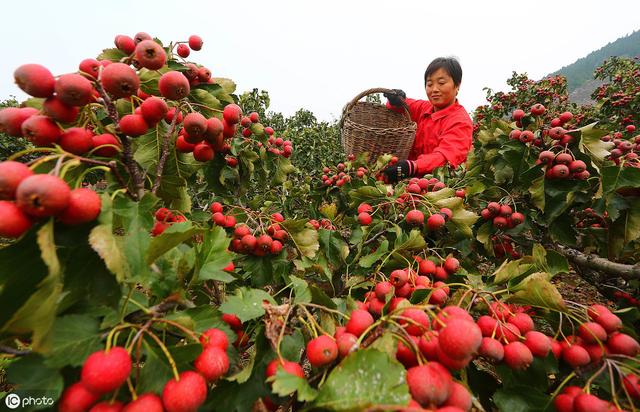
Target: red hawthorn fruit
[
  {"x": 435, "y": 222},
  {"x": 438, "y": 297},
  {"x": 276, "y": 247},
  {"x": 428, "y": 345},
  {"x": 173, "y": 85},
  {"x": 42, "y": 195},
  {"x": 426, "y": 267},
  {"x": 154, "y": 109},
  {"x": 195, "y": 124},
  {"x": 229, "y": 221},
  {"x": 35, "y": 80},
  {"x": 40, "y": 130},
  {"x": 459, "y": 399},
  {"x": 417, "y": 322},
  {"x": 203, "y": 152},
  {"x": 163, "y": 215},
  {"x": 150, "y": 55},
  {"x": 365, "y": 219},
  {"x": 517, "y": 356},
  {"x": 292, "y": 368},
  {"x": 264, "y": 242},
  {"x": 158, "y": 228},
  {"x": 172, "y": 112},
  {"x": 507, "y": 332},
  {"x": 451, "y": 265},
  {"x": 125, "y": 44},
  {"x": 405, "y": 353},
  {"x": 359, "y": 321},
  {"x": 537, "y": 109},
  {"x": 186, "y": 394},
  {"x": 232, "y": 320},
  {"x": 609, "y": 322},
  {"x": 214, "y": 132},
  {"x": 133, "y": 125},
  {"x": 517, "y": 218},
  {"x": 347, "y": 343},
  {"x": 527, "y": 136},
  {"x": 322, "y": 351},
  {"x": 500, "y": 222},
  {"x": 254, "y": 117},
  {"x": 461, "y": 193},
  {"x": 212, "y": 363},
  {"x": 216, "y": 207},
  {"x": 538, "y": 343},
  {"x": 559, "y": 171},
  {"x": 632, "y": 385},
  {"x": 517, "y": 114},
  {"x": 399, "y": 277},
  {"x": 141, "y": 36},
  {"x": 120, "y": 80},
  {"x": 57, "y": 110},
  {"x": 565, "y": 117},
  {"x": 415, "y": 217},
  {"x": 595, "y": 311},
  {"x": 623, "y": 344},
  {"x": 575, "y": 356},
  {"x": 76, "y": 140},
  {"x": 107, "y": 406},
  {"x": 77, "y": 398},
  {"x": 183, "y": 146},
  {"x": 11, "y": 174},
  {"x": 592, "y": 332},
  {"x": 183, "y": 50},
  {"x": 148, "y": 402},
  {"x": 448, "y": 313},
  {"x": 105, "y": 371},
  {"x": 487, "y": 325},
  {"x": 105, "y": 139},
  {"x": 429, "y": 384},
  {"x": 590, "y": 403},
  {"x": 204, "y": 74},
  {"x": 382, "y": 289},
  {"x": 195, "y": 42},
  {"x": 228, "y": 130},
  {"x": 491, "y": 349},
  {"x": 232, "y": 114},
  {"x": 515, "y": 134},
  {"x": 13, "y": 222},
  {"x": 460, "y": 339},
  {"x": 74, "y": 89},
  {"x": 269, "y": 130},
  {"x": 564, "y": 158},
  {"x": 84, "y": 206},
  {"x": 522, "y": 321},
  {"x": 12, "y": 118}
]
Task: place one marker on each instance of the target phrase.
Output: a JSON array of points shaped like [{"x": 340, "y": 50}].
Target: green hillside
[{"x": 580, "y": 73}]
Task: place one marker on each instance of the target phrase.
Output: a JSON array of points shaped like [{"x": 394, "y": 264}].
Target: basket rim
[{"x": 410, "y": 125}]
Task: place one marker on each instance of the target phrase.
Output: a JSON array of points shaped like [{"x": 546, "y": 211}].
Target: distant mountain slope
[{"x": 580, "y": 73}]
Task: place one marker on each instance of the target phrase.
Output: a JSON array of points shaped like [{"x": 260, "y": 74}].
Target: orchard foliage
[{"x": 204, "y": 271}]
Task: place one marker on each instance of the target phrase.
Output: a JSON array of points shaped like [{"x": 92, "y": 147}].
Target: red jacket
[{"x": 442, "y": 137}]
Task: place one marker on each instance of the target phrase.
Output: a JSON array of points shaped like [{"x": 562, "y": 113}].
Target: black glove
[
  {"x": 399, "y": 171},
  {"x": 396, "y": 98}
]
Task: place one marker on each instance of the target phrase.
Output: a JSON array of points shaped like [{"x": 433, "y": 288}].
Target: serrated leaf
[
  {"x": 246, "y": 303},
  {"x": 301, "y": 291},
  {"x": 319, "y": 297},
  {"x": 414, "y": 242},
  {"x": 368, "y": 260},
  {"x": 615, "y": 177},
  {"x": 363, "y": 379},
  {"x": 536, "y": 190},
  {"x": 511, "y": 269},
  {"x": 591, "y": 145},
  {"x": 536, "y": 290},
  {"x": 212, "y": 256},
  {"x": 484, "y": 236},
  {"x": 285, "y": 384},
  {"x": 32, "y": 377},
  {"x": 104, "y": 243},
  {"x": 113, "y": 55},
  {"x": 306, "y": 241},
  {"x": 170, "y": 238},
  {"x": 73, "y": 338}
]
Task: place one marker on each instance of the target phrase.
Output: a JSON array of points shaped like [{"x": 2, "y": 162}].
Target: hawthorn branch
[
  {"x": 598, "y": 263},
  {"x": 13, "y": 351},
  {"x": 112, "y": 165},
  {"x": 127, "y": 155},
  {"x": 164, "y": 153}
]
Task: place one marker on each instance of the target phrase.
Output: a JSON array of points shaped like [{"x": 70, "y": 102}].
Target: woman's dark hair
[{"x": 451, "y": 65}]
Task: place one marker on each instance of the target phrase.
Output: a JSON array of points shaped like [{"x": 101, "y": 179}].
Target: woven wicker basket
[{"x": 371, "y": 127}]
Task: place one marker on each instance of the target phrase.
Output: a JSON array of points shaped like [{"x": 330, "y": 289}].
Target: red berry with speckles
[
  {"x": 322, "y": 351},
  {"x": 105, "y": 371},
  {"x": 186, "y": 394}
]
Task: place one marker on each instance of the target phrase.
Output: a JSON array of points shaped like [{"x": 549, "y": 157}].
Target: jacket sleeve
[
  {"x": 415, "y": 108},
  {"x": 454, "y": 146}
]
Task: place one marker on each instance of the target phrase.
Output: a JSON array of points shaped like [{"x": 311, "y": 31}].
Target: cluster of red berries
[
  {"x": 502, "y": 216},
  {"x": 105, "y": 371},
  {"x": 590, "y": 218},
  {"x": 625, "y": 151},
  {"x": 563, "y": 165},
  {"x": 504, "y": 245},
  {"x": 322, "y": 223},
  {"x": 627, "y": 298},
  {"x": 575, "y": 399},
  {"x": 244, "y": 241},
  {"x": 25, "y": 197},
  {"x": 165, "y": 218},
  {"x": 219, "y": 218},
  {"x": 277, "y": 145},
  {"x": 338, "y": 179}
]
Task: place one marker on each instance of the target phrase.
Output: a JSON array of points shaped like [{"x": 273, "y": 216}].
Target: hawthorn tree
[{"x": 201, "y": 271}]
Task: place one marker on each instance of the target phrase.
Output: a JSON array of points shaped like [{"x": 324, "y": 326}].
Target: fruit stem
[
  {"x": 114, "y": 330},
  {"x": 281, "y": 334},
  {"x": 559, "y": 388},
  {"x": 33, "y": 150},
  {"x": 164, "y": 153},
  {"x": 187, "y": 331},
  {"x": 164, "y": 349}
]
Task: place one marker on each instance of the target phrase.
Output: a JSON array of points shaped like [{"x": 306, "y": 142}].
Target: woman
[{"x": 444, "y": 128}]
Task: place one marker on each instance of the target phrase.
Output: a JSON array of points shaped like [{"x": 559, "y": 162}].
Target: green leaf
[
  {"x": 536, "y": 190},
  {"x": 212, "y": 256},
  {"x": 334, "y": 247},
  {"x": 520, "y": 399},
  {"x": 511, "y": 269},
  {"x": 292, "y": 345},
  {"x": 284, "y": 384},
  {"x": 321, "y": 298},
  {"x": 484, "y": 236},
  {"x": 32, "y": 377},
  {"x": 328, "y": 210},
  {"x": 616, "y": 177},
  {"x": 111, "y": 54},
  {"x": 625, "y": 229},
  {"x": 246, "y": 303},
  {"x": 73, "y": 338},
  {"x": 170, "y": 238},
  {"x": 591, "y": 145},
  {"x": 306, "y": 241},
  {"x": 414, "y": 242},
  {"x": 105, "y": 244},
  {"x": 368, "y": 260},
  {"x": 536, "y": 290},
  {"x": 363, "y": 379},
  {"x": 301, "y": 291}
]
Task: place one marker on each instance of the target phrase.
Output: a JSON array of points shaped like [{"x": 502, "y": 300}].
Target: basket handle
[{"x": 367, "y": 92}]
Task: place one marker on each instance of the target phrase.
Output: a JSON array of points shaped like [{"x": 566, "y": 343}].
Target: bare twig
[
  {"x": 14, "y": 351},
  {"x": 600, "y": 264}
]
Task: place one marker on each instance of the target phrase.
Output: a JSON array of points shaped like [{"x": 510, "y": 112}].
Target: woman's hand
[
  {"x": 396, "y": 98},
  {"x": 399, "y": 171}
]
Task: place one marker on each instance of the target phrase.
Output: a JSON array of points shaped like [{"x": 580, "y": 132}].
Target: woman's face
[{"x": 440, "y": 89}]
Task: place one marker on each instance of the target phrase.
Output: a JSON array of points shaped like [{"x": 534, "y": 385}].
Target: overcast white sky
[{"x": 320, "y": 54}]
